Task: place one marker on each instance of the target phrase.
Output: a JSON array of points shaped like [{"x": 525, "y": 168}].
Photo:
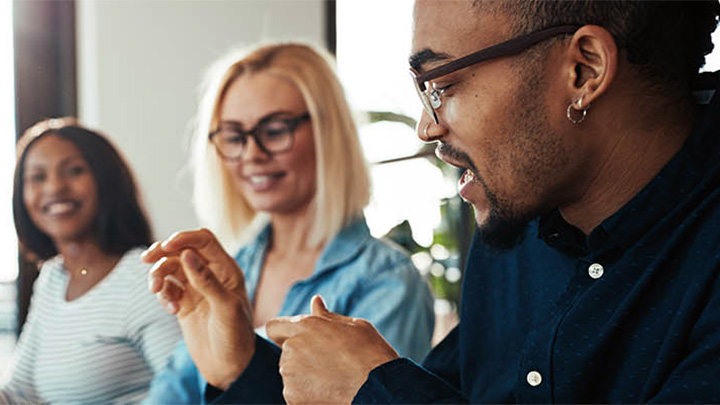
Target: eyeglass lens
[{"x": 272, "y": 136}]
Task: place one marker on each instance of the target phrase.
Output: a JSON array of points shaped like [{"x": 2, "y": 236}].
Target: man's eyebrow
[{"x": 426, "y": 55}]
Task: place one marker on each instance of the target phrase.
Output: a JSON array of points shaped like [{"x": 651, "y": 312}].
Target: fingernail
[
  {"x": 175, "y": 281},
  {"x": 154, "y": 285},
  {"x": 149, "y": 249},
  {"x": 167, "y": 241},
  {"x": 171, "y": 307}
]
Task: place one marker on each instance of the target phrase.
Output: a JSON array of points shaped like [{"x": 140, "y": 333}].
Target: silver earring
[{"x": 581, "y": 109}]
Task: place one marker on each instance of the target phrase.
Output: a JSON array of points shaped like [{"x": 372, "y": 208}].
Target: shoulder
[
  {"x": 385, "y": 251},
  {"x": 130, "y": 273},
  {"x": 51, "y": 274},
  {"x": 384, "y": 259},
  {"x": 130, "y": 264},
  {"x": 49, "y": 283}
]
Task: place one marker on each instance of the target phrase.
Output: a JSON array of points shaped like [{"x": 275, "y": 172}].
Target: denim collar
[{"x": 344, "y": 247}]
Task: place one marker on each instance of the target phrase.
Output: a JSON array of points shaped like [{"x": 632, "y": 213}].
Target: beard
[
  {"x": 504, "y": 228},
  {"x": 533, "y": 154}
]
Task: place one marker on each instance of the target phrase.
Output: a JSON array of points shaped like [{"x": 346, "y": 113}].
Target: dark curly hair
[
  {"x": 120, "y": 224},
  {"x": 666, "y": 40}
]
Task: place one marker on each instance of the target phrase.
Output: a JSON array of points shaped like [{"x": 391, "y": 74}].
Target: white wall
[{"x": 139, "y": 64}]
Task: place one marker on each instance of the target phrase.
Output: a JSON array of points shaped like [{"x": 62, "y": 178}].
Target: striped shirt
[{"x": 104, "y": 346}]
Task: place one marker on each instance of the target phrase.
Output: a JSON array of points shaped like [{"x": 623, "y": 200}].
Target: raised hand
[
  {"x": 200, "y": 283},
  {"x": 326, "y": 357}
]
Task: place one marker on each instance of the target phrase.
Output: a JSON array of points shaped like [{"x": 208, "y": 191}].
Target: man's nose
[{"x": 429, "y": 131}]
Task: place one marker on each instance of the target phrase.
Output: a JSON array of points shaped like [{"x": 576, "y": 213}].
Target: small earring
[{"x": 581, "y": 109}]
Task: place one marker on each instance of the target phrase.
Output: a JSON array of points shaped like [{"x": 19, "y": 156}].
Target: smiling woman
[{"x": 94, "y": 333}]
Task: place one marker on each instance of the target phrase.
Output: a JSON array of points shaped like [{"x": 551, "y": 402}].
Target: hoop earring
[{"x": 581, "y": 109}]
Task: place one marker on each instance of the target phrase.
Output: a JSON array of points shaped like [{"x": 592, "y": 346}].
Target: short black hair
[
  {"x": 120, "y": 224},
  {"x": 666, "y": 40}
]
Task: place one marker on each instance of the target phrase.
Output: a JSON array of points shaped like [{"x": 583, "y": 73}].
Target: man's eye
[{"x": 442, "y": 87}]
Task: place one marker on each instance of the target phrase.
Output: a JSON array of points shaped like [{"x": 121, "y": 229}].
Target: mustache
[{"x": 445, "y": 149}]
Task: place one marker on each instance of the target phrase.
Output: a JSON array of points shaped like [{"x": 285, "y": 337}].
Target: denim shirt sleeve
[
  {"x": 398, "y": 302},
  {"x": 178, "y": 382}
]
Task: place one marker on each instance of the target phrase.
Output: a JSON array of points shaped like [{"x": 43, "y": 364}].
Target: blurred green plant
[{"x": 441, "y": 262}]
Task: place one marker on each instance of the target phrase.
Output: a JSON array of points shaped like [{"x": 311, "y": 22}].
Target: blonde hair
[{"x": 342, "y": 179}]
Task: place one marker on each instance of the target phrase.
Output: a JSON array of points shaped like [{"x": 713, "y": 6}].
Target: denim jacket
[{"x": 356, "y": 274}]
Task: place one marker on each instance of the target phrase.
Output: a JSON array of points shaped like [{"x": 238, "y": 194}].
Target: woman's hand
[{"x": 200, "y": 283}]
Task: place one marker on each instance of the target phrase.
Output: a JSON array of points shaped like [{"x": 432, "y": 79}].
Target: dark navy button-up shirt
[{"x": 629, "y": 313}]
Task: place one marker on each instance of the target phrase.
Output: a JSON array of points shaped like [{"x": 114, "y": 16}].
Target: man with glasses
[{"x": 590, "y": 145}]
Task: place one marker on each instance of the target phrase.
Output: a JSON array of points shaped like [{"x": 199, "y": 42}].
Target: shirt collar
[
  {"x": 342, "y": 248},
  {"x": 674, "y": 184},
  {"x": 348, "y": 243}
]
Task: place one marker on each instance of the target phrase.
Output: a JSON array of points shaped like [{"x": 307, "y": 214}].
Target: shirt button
[
  {"x": 596, "y": 270},
  {"x": 534, "y": 378}
]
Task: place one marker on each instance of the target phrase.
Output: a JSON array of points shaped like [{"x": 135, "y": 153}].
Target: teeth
[
  {"x": 60, "y": 208},
  {"x": 259, "y": 179}
]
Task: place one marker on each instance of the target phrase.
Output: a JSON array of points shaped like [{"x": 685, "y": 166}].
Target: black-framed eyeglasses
[
  {"x": 431, "y": 98},
  {"x": 273, "y": 134}
]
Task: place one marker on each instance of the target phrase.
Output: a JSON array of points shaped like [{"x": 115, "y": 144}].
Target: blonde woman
[{"x": 278, "y": 165}]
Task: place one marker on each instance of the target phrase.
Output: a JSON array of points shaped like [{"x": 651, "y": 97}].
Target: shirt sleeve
[
  {"x": 260, "y": 383},
  {"x": 178, "y": 382},
  {"x": 150, "y": 328},
  {"x": 403, "y": 381},
  {"x": 694, "y": 379},
  {"x": 20, "y": 387},
  {"x": 398, "y": 302},
  {"x": 153, "y": 331}
]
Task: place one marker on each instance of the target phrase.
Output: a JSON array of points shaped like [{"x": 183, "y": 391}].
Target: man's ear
[{"x": 592, "y": 63}]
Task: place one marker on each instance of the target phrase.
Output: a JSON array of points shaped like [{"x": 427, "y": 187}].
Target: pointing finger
[
  {"x": 282, "y": 328},
  {"x": 202, "y": 240}
]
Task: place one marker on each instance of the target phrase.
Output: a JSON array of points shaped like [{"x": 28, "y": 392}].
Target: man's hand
[
  {"x": 326, "y": 357},
  {"x": 204, "y": 287}
]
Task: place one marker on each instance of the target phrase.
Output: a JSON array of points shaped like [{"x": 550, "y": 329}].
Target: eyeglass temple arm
[{"x": 507, "y": 48}]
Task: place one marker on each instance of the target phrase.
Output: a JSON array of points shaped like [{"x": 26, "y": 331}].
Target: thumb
[
  {"x": 201, "y": 277},
  {"x": 318, "y": 307}
]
